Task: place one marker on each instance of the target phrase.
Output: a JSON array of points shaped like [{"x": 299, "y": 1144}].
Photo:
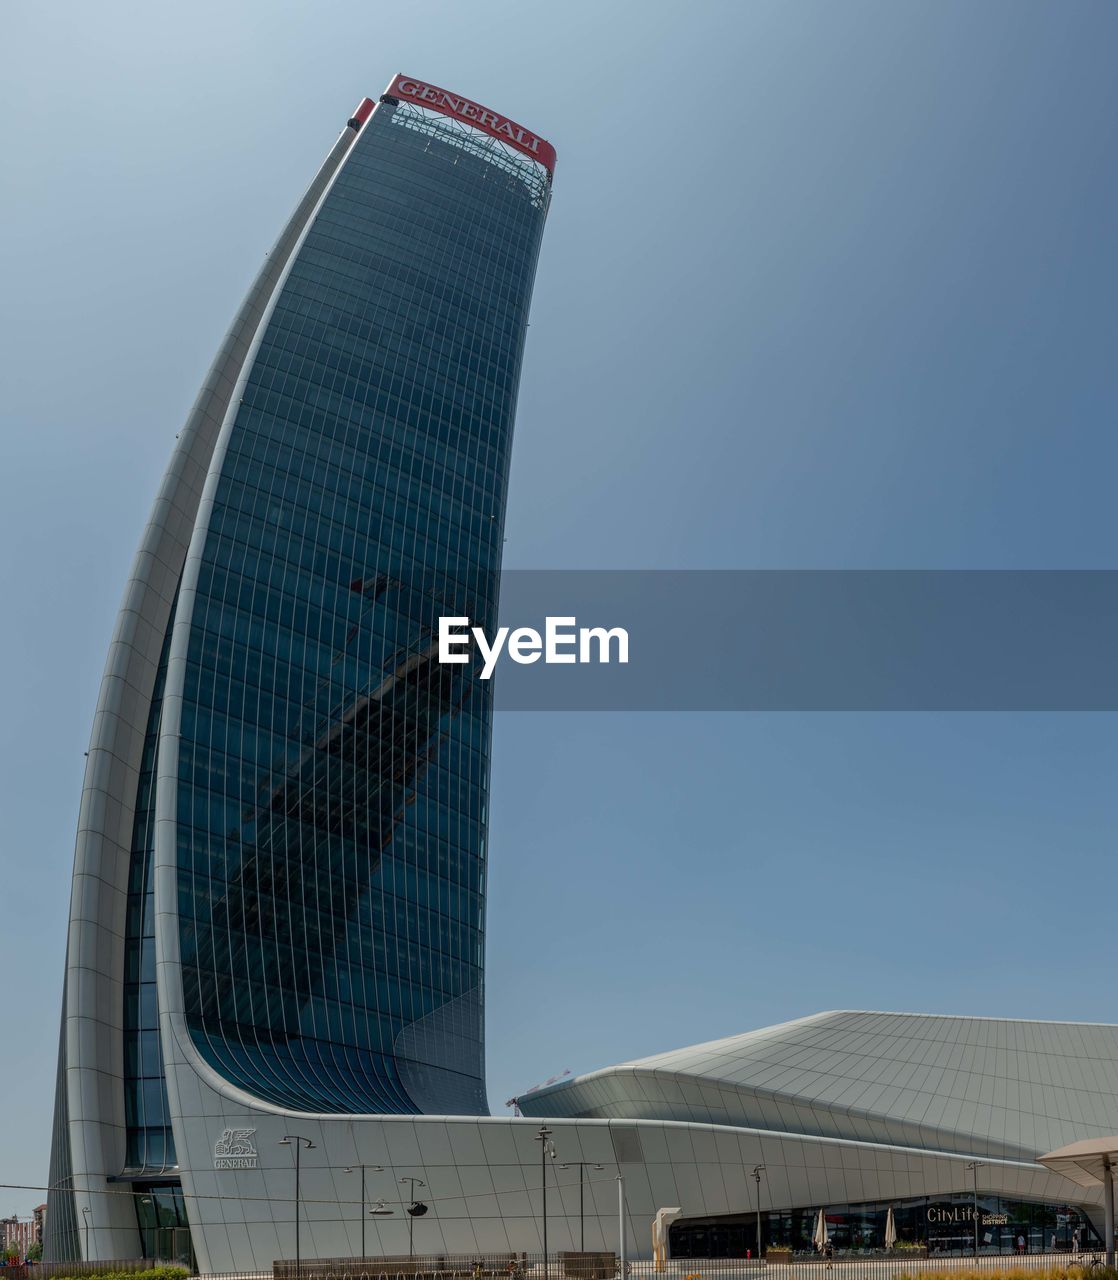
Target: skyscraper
[
  {"x": 279, "y": 878},
  {"x": 276, "y": 930}
]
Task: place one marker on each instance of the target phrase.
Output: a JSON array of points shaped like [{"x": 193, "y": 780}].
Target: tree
[{"x": 35, "y": 1253}]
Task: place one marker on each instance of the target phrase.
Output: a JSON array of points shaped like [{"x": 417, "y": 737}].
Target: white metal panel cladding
[
  {"x": 89, "y": 1144},
  {"x": 483, "y": 1177}
]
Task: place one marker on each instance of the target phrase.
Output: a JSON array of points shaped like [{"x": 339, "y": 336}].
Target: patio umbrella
[
  {"x": 890, "y": 1229},
  {"x": 819, "y": 1236}
]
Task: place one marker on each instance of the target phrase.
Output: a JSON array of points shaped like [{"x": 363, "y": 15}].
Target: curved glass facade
[
  {"x": 150, "y": 1143},
  {"x": 333, "y": 777}
]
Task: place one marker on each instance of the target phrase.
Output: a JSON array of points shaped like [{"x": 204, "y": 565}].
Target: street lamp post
[
  {"x": 621, "y": 1264},
  {"x": 581, "y": 1203},
  {"x": 974, "y": 1166},
  {"x": 377, "y": 1168},
  {"x": 299, "y": 1142},
  {"x": 85, "y": 1223},
  {"x": 412, "y": 1184},
  {"x": 547, "y": 1147},
  {"x": 758, "y": 1169}
]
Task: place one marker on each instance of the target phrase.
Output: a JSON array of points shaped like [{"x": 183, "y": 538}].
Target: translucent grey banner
[{"x": 714, "y": 640}]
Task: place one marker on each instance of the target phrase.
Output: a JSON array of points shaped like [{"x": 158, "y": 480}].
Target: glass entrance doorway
[{"x": 161, "y": 1216}]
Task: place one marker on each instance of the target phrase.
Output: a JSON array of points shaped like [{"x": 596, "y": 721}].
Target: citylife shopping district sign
[
  {"x": 957, "y": 1213},
  {"x": 490, "y": 122},
  {"x": 236, "y": 1149}
]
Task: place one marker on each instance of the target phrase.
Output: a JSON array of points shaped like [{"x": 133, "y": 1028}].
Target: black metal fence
[
  {"x": 908, "y": 1264},
  {"x": 778, "y": 1265},
  {"x": 481, "y": 1266},
  {"x": 901, "y": 1264},
  {"x": 563, "y": 1265}
]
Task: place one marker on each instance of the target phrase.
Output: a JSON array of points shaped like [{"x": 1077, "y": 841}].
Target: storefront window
[{"x": 942, "y": 1224}]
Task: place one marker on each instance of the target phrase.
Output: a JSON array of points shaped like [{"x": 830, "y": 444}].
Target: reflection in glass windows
[
  {"x": 150, "y": 1146},
  {"x": 333, "y": 778},
  {"x": 942, "y": 1224}
]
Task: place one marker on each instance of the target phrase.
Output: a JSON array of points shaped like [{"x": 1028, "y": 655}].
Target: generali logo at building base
[
  {"x": 236, "y": 1149},
  {"x": 491, "y": 122}
]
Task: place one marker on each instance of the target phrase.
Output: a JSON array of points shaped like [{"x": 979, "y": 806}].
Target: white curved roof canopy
[
  {"x": 1084, "y": 1162},
  {"x": 981, "y": 1086}
]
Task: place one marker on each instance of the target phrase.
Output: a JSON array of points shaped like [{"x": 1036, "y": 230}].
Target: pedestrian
[
  {"x": 1075, "y": 1240},
  {"x": 1020, "y": 1244}
]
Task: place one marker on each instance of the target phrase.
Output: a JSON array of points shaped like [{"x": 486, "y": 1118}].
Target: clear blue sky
[{"x": 824, "y": 285}]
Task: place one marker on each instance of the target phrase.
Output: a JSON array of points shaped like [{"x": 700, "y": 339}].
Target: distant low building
[{"x": 20, "y": 1232}]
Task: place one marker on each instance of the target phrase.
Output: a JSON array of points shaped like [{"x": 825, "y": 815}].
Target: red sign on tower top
[{"x": 491, "y": 122}]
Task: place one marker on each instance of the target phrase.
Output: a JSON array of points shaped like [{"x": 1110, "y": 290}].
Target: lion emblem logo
[{"x": 235, "y": 1142}]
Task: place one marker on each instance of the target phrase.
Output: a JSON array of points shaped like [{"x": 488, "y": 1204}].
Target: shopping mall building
[{"x": 276, "y": 932}]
